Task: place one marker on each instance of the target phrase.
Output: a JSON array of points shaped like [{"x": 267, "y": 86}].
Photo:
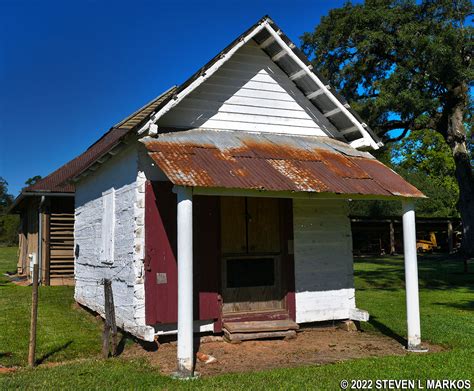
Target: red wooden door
[
  {"x": 161, "y": 274},
  {"x": 206, "y": 242}
]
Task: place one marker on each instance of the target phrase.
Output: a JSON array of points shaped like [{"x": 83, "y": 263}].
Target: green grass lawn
[
  {"x": 67, "y": 333},
  {"x": 64, "y": 332}
]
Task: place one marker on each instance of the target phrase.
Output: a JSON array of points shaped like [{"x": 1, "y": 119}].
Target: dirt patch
[
  {"x": 312, "y": 346},
  {"x": 7, "y": 369}
]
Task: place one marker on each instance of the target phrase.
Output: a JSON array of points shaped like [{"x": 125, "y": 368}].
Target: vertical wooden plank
[
  {"x": 288, "y": 259},
  {"x": 392, "y": 238},
  {"x": 33, "y": 217},
  {"x": 206, "y": 241},
  {"x": 46, "y": 241},
  {"x": 34, "y": 315},
  {"x": 263, "y": 225},
  {"x": 233, "y": 225},
  {"x": 110, "y": 325},
  {"x": 161, "y": 278}
]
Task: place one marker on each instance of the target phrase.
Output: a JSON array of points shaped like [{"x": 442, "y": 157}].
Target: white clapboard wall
[
  {"x": 323, "y": 260},
  {"x": 249, "y": 92}
]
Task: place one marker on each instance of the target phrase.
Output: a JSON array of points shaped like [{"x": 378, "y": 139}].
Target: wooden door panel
[
  {"x": 161, "y": 271},
  {"x": 233, "y": 225},
  {"x": 206, "y": 244},
  {"x": 263, "y": 225},
  {"x": 246, "y": 289}
]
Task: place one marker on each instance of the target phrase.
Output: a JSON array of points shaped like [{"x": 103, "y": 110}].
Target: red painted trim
[{"x": 161, "y": 300}]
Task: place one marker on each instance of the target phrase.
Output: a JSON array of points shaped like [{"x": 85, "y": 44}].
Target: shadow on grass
[
  {"x": 52, "y": 352},
  {"x": 385, "y": 330},
  {"x": 466, "y": 305},
  {"x": 437, "y": 271},
  {"x": 121, "y": 345}
]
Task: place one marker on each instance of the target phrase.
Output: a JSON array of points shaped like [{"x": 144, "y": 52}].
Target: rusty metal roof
[{"x": 273, "y": 162}]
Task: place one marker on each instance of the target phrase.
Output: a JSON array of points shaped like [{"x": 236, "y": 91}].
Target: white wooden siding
[
  {"x": 114, "y": 189},
  {"x": 250, "y": 93},
  {"x": 323, "y": 261},
  {"x": 108, "y": 225}
]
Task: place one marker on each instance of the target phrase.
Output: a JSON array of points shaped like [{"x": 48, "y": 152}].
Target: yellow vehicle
[{"x": 425, "y": 245}]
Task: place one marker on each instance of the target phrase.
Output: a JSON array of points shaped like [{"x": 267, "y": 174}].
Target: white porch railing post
[
  {"x": 411, "y": 276},
  {"x": 185, "y": 282}
]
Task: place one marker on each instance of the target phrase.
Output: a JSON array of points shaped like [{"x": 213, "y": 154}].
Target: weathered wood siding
[
  {"x": 249, "y": 92},
  {"x": 32, "y": 232},
  {"x": 61, "y": 240},
  {"x": 323, "y": 260},
  {"x": 125, "y": 269}
]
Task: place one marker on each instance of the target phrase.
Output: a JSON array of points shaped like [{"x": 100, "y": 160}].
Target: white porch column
[
  {"x": 411, "y": 276},
  {"x": 185, "y": 282}
]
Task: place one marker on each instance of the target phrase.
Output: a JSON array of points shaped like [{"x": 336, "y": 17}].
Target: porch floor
[{"x": 312, "y": 346}]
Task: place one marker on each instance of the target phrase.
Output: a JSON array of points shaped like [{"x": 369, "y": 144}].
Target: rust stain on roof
[{"x": 264, "y": 161}]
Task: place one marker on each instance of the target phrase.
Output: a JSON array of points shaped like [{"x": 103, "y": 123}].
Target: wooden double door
[{"x": 253, "y": 247}]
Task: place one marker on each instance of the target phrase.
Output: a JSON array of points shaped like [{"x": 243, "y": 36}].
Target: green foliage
[
  {"x": 8, "y": 223},
  {"x": 9, "y": 229},
  {"x": 427, "y": 162},
  {"x": 395, "y": 58},
  {"x": 404, "y": 65},
  {"x": 32, "y": 180},
  {"x": 5, "y": 198}
]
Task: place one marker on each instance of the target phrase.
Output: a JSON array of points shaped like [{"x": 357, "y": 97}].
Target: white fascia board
[
  {"x": 321, "y": 86},
  {"x": 209, "y": 72},
  {"x": 360, "y": 143}
]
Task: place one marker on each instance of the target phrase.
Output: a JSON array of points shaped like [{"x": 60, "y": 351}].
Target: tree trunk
[{"x": 456, "y": 138}]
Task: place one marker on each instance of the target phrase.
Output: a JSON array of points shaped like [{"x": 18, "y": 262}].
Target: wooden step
[
  {"x": 239, "y": 337},
  {"x": 260, "y": 326}
]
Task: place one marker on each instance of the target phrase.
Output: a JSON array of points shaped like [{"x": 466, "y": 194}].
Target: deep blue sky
[{"x": 69, "y": 70}]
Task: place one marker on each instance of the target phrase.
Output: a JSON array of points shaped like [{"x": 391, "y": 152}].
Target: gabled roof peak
[{"x": 298, "y": 68}]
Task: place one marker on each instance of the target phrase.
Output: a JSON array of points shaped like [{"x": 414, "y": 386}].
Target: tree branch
[
  {"x": 392, "y": 125},
  {"x": 398, "y": 138}
]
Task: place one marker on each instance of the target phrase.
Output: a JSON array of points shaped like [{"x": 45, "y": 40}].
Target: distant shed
[
  {"x": 46, "y": 209},
  {"x": 47, "y": 229},
  {"x": 384, "y": 234}
]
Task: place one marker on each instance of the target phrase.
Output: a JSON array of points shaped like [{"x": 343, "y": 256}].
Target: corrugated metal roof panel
[{"x": 272, "y": 162}]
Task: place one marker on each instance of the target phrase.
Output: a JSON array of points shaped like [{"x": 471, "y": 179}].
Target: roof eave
[{"x": 16, "y": 205}]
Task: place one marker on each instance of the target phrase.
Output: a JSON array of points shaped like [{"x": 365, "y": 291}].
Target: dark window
[{"x": 249, "y": 272}]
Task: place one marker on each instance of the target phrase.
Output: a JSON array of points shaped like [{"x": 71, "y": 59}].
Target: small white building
[{"x": 225, "y": 201}]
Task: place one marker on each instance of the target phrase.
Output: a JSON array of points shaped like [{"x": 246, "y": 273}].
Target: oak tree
[{"x": 405, "y": 66}]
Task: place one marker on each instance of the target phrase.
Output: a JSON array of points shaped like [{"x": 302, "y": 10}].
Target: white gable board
[{"x": 249, "y": 92}]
